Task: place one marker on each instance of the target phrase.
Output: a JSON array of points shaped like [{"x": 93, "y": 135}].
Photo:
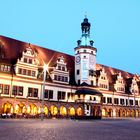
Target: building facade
[{"x": 72, "y": 86}]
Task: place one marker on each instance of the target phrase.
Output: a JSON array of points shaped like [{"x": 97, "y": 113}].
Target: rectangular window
[
  {"x": 6, "y": 89},
  {"x": 35, "y": 94},
  {"x": 30, "y": 91},
  {"x": 131, "y": 102},
  {"x": 63, "y": 68},
  {"x": 109, "y": 100},
  {"x": 61, "y": 95},
  {"x": 15, "y": 90},
  {"x": 29, "y": 73},
  {"x": 20, "y": 71},
  {"x": 78, "y": 72},
  {"x": 59, "y": 67},
  {"x": 92, "y": 82},
  {"x": 48, "y": 94},
  {"x": 20, "y": 91},
  {"x": 59, "y": 78},
  {"x": 122, "y": 101},
  {"x": 104, "y": 99},
  {"x": 30, "y": 61},
  {"x": 126, "y": 101},
  {"x": 136, "y": 102},
  {"x": 66, "y": 79},
  {"x": 1, "y": 89},
  {"x": 25, "y": 60},
  {"x": 116, "y": 101},
  {"x": 63, "y": 78},
  {"x": 33, "y": 73},
  {"x": 55, "y": 77},
  {"x": 68, "y": 96},
  {"x": 24, "y": 71},
  {"x": 78, "y": 82}
]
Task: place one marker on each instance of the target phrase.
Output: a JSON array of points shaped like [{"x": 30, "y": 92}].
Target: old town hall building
[{"x": 72, "y": 85}]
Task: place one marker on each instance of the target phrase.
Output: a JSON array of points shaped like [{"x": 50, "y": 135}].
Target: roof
[
  {"x": 12, "y": 50},
  {"x": 88, "y": 91}
]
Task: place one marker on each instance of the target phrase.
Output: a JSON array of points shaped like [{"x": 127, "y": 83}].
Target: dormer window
[
  {"x": 60, "y": 73},
  {"x": 119, "y": 84},
  {"x": 30, "y": 61},
  {"x": 59, "y": 67},
  {"x": 103, "y": 81},
  {"x": 63, "y": 68},
  {"x": 134, "y": 87},
  {"x": 25, "y": 60}
]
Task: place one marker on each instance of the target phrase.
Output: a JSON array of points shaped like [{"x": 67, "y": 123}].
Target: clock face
[
  {"x": 78, "y": 59},
  {"x": 92, "y": 60}
]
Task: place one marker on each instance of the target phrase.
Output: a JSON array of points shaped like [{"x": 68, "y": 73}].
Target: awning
[{"x": 88, "y": 91}]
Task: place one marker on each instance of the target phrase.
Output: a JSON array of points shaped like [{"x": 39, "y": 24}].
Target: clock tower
[{"x": 85, "y": 57}]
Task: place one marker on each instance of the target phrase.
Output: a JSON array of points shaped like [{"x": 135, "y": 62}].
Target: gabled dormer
[
  {"x": 27, "y": 65},
  {"x": 134, "y": 89},
  {"x": 103, "y": 82},
  {"x": 60, "y": 73},
  {"x": 119, "y": 85}
]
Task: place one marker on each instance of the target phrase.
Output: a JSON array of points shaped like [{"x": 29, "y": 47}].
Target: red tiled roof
[{"x": 13, "y": 50}]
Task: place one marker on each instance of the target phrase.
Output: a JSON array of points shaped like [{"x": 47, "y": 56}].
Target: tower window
[
  {"x": 92, "y": 82},
  {"x": 91, "y": 52},
  {"x": 84, "y": 56},
  {"x": 78, "y": 72},
  {"x": 85, "y": 51},
  {"x": 77, "y": 51},
  {"x": 78, "y": 82}
]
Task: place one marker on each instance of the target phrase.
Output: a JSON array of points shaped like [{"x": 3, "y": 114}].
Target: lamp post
[{"x": 45, "y": 67}]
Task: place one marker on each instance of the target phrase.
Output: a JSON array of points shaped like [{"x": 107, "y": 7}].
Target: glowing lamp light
[{"x": 45, "y": 67}]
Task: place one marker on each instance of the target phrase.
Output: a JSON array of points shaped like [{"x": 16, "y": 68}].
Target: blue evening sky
[{"x": 56, "y": 24}]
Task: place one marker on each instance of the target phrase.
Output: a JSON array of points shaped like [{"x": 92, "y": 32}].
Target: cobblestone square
[{"x": 63, "y": 129}]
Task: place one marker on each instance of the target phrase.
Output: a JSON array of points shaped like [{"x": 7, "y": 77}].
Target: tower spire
[{"x": 85, "y": 39}]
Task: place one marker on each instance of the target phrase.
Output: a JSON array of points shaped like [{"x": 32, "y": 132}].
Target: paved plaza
[{"x": 63, "y": 129}]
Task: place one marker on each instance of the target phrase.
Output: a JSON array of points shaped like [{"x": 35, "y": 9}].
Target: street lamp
[{"x": 45, "y": 68}]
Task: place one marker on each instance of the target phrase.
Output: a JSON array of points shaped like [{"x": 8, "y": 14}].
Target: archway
[
  {"x": 132, "y": 113},
  {"x": 137, "y": 113},
  {"x": 104, "y": 112},
  {"x": 63, "y": 111},
  {"x": 110, "y": 112},
  {"x": 72, "y": 111},
  {"x": 120, "y": 113},
  {"x": 7, "y": 108},
  {"x": 46, "y": 110},
  {"x": 33, "y": 109},
  {"x": 79, "y": 111},
  {"x": 128, "y": 113},
  {"x": 54, "y": 110}
]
